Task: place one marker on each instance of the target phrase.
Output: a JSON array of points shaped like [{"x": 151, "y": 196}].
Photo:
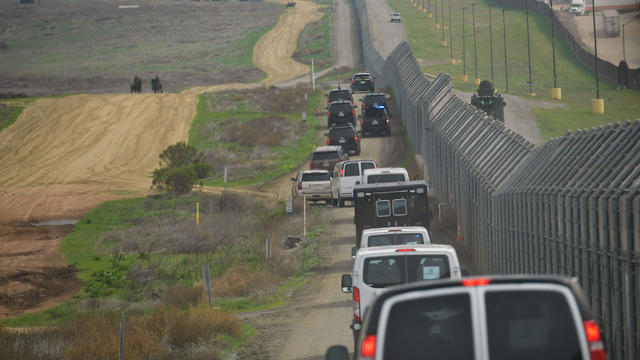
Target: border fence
[{"x": 570, "y": 206}]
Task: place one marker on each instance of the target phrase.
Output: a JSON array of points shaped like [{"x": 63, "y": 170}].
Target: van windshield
[
  {"x": 530, "y": 325},
  {"x": 385, "y": 271},
  {"x": 384, "y": 178},
  {"x": 395, "y": 239}
]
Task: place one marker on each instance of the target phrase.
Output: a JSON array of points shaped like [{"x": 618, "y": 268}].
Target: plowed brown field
[{"x": 66, "y": 155}]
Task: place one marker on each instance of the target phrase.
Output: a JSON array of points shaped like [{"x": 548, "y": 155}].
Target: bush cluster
[{"x": 181, "y": 166}]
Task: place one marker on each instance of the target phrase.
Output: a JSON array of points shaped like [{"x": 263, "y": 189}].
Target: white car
[
  {"x": 388, "y": 236},
  {"x": 384, "y": 175},
  {"x": 346, "y": 174},
  {"x": 395, "y": 17},
  {"x": 376, "y": 268},
  {"x": 315, "y": 185}
]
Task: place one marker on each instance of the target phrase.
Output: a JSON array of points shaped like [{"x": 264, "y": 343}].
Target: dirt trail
[{"x": 65, "y": 156}]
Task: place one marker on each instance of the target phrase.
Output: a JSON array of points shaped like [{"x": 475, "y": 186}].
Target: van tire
[{"x": 340, "y": 201}]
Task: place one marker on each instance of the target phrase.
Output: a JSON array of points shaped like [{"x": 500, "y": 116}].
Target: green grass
[
  {"x": 576, "y": 81},
  {"x": 314, "y": 43},
  {"x": 11, "y": 109}
]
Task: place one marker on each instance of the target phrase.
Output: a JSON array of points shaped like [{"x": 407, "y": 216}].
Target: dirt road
[{"x": 65, "y": 156}]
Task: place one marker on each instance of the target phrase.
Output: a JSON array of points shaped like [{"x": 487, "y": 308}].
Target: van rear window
[
  {"x": 385, "y": 271},
  {"x": 384, "y": 178},
  {"x": 316, "y": 177},
  {"x": 395, "y": 239},
  {"x": 530, "y": 325},
  {"x": 430, "y": 328},
  {"x": 325, "y": 155}
]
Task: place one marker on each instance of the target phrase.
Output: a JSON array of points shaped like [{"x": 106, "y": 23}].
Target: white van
[
  {"x": 387, "y": 236},
  {"x": 577, "y": 7},
  {"x": 376, "y": 268},
  {"x": 346, "y": 174},
  {"x": 384, "y": 175}
]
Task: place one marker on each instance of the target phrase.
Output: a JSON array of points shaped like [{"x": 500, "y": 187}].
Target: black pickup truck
[{"x": 390, "y": 204}]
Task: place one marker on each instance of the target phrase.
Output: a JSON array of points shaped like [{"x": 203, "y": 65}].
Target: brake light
[
  {"x": 353, "y": 81},
  {"x": 353, "y": 113},
  {"x": 341, "y": 172},
  {"x": 387, "y": 121},
  {"x": 299, "y": 185},
  {"x": 329, "y": 114},
  {"x": 355, "y": 138},
  {"x": 356, "y": 304},
  {"x": 405, "y": 250},
  {"x": 328, "y": 141},
  {"x": 475, "y": 282},
  {"x": 311, "y": 164},
  {"x": 596, "y": 346},
  {"x": 368, "y": 346},
  {"x": 362, "y": 121}
]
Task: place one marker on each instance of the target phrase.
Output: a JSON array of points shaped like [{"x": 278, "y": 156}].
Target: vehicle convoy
[
  {"x": 384, "y": 175},
  {"x": 345, "y": 136},
  {"x": 315, "y": 185},
  {"x": 390, "y": 204},
  {"x": 611, "y": 22},
  {"x": 490, "y": 318},
  {"x": 375, "y": 120},
  {"x": 339, "y": 94},
  {"x": 346, "y": 175},
  {"x": 362, "y": 81},
  {"x": 341, "y": 112},
  {"x": 326, "y": 157},
  {"x": 377, "y": 268},
  {"x": 390, "y": 236}
]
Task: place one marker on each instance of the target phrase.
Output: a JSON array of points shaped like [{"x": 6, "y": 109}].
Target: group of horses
[{"x": 136, "y": 87}]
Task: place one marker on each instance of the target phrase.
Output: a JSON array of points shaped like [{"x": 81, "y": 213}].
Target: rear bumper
[
  {"x": 317, "y": 196},
  {"x": 377, "y": 127}
]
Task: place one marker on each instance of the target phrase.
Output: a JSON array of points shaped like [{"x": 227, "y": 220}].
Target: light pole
[
  {"x": 437, "y": 24},
  {"x": 529, "y": 51},
  {"x": 444, "y": 42},
  {"x": 451, "y": 59},
  {"x": 491, "y": 44},
  {"x": 556, "y": 92},
  {"x": 464, "y": 55},
  {"x": 597, "y": 104},
  {"x": 476, "y": 81},
  {"x": 429, "y": 8},
  {"x": 504, "y": 37}
]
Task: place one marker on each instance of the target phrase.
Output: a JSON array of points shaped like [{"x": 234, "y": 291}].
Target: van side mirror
[
  {"x": 354, "y": 250},
  {"x": 337, "y": 352},
  {"x": 346, "y": 283}
]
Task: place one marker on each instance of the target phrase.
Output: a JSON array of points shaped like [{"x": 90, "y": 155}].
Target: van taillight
[
  {"x": 328, "y": 141},
  {"x": 341, "y": 172},
  {"x": 405, "y": 250},
  {"x": 362, "y": 121},
  {"x": 353, "y": 113},
  {"x": 299, "y": 185},
  {"x": 596, "y": 345},
  {"x": 475, "y": 282},
  {"x": 387, "y": 121},
  {"x": 311, "y": 164},
  {"x": 356, "y": 304},
  {"x": 355, "y": 138},
  {"x": 368, "y": 347},
  {"x": 329, "y": 114}
]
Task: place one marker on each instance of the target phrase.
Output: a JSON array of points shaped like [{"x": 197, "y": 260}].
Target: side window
[
  {"x": 351, "y": 169},
  {"x": 383, "y": 208},
  {"x": 399, "y": 207},
  {"x": 368, "y": 165}
]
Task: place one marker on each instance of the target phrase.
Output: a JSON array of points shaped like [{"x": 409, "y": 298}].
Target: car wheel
[
  {"x": 340, "y": 202},
  {"x": 358, "y": 151}
]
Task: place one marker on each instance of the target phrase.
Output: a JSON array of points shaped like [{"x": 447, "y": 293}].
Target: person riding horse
[
  {"x": 156, "y": 86},
  {"x": 137, "y": 85}
]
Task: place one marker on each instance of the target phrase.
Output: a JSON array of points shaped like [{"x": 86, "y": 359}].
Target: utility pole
[
  {"x": 452, "y": 60},
  {"x": 491, "y": 45},
  {"x": 597, "y": 104},
  {"x": 529, "y": 51},
  {"x": 444, "y": 42},
  {"x": 504, "y": 37},
  {"x": 464, "y": 56},
  {"x": 556, "y": 92},
  {"x": 476, "y": 82}
]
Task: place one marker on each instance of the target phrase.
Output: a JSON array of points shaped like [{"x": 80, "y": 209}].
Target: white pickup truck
[
  {"x": 315, "y": 185},
  {"x": 346, "y": 174},
  {"x": 384, "y": 175}
]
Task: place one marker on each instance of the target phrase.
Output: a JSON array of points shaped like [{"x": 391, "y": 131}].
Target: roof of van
[
  {"x": 394, "y": 229},
  {"x": 387, "y": 170},
  {"x": 393, "y": 249}
]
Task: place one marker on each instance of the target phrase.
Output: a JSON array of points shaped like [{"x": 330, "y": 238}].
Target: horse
[
  {"x": 156, "y": 86},
  {"x": 136, "y": 87}
]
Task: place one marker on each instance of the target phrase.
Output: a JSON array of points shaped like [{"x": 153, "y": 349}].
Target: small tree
[{"x": 181, "y": 166}]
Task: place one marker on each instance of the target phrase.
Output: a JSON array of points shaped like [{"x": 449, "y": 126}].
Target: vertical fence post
[
  {"x": 268, "y": 250},
  {"x": 206, "y": 278},
  {"x": 304, "y": 216},
  {"x": 121, "y": 356}
]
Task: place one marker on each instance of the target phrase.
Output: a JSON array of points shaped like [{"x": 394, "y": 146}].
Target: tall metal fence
[{"x": 570, "y": 206}]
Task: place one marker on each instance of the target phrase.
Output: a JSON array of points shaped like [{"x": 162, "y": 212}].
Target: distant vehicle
[
  {"x": 375, "y": 120},
  {"x": 395, "y": 17},
  {"x": 345, "y": 136},
  {"x": 393, "y": 236},
  {"x": 611, "y": 22},
  {"x": 341, "y": 112},
  {"x": 315, "y": 185},
  {"x": 346, "y": 175},
  {"x": 384, "y": 175},
  {"x": 339, "y": 94},
  {"x": 577, "y": 7},
  {"x": 377, "y": 268},
  {"x": 362, "y": 81},
  {"x": 390, "y": 204},
  {"x": 325, "y": 157},
  {"x": 496, "y": 317},
  {"x": 375, "y": 100}
]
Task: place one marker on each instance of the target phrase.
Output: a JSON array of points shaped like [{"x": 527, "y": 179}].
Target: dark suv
[
  {"x": 362, "y": 82},
  {"x": 341, "y": 112},
  {"x": 325, "y": 157},
  {"x": 345, "y": 136},
  {"x": 339, "y": 94},
  {"x": 375, "y": 100},
  {"x": 375, "y": 119},
  {"x": 490, "y": 318}
]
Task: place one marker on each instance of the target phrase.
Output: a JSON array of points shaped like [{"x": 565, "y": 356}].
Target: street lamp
[
  {"x": 451, "y": 59},
  {"x": 491, "y": 44},
  {"x": 464, "y": 56},
  {"x": 437, "y": 24},
  {"x": 475, "y": 50},
  {"x": 597, "y": 104},
  {"x": 429, "y": 8},
  {"x": 529, "y": 51},
  {"x": 504, "y": 37},
  {"x": 444, "y": 42},
  {"x": 556, "y": 92}
]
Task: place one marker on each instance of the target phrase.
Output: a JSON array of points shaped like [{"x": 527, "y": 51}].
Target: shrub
[
  {"x": 181, "y": 295},
  {"x": 181, "y": 167}
]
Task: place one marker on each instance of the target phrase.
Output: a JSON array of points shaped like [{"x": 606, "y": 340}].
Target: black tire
[
  {"x": 355, "y": 343},
  {"x": 340, "y": 201},
  {"x": 358, "y": 152},
  {"x": 334, "y": 202}
]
